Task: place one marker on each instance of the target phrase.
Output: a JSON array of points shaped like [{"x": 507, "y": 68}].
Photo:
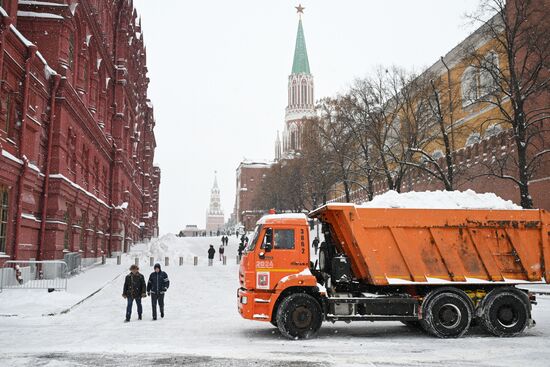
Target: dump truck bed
[{"x": 431, "y": 246}]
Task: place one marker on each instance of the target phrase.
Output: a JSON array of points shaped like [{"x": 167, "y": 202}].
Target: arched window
[
  {"x": 436, "y": 154},
  {"x": 294, "y": 92},
  {"x": 488, "y": 75},
  {"x": 304, "y": 93},
  {"x": 492, "y": 130},
  {"x": 4, "y": 210},
  {"x": 473, "y": 138},
  {"x": 469, "y": 86}
]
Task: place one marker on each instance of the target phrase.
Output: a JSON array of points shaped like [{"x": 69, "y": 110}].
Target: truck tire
[
  {"x": 447, "y": 315},
  {"x": 299, "y": 316},
  {"x": 505, "y": 312},
  {"x": 324, "y": 260}
]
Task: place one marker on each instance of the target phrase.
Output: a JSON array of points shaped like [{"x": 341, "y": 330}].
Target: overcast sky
[{"x": 219, "y": 73}]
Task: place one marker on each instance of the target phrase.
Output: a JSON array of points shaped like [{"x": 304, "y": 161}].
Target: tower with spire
[
  {"x": 214, "y": 216},
  {"x": 300, "y": 98}
]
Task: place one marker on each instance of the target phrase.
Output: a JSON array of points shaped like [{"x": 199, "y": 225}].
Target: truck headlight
[{"x": 244, "y": 300}]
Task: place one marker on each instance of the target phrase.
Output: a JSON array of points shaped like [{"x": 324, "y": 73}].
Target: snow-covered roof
[
  {"x": 43, "y": 3},
  {"x": 285, "y": 216},
  {"x": 33, "y": 14}
]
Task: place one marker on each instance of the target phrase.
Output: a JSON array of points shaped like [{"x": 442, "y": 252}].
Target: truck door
[{"x": 283, "y": 252}]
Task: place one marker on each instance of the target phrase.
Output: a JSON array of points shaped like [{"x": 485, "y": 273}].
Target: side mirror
[{"x": 268, "y": 240}]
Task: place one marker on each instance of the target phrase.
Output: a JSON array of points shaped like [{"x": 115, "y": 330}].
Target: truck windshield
[{"x": 255, "y": 235}]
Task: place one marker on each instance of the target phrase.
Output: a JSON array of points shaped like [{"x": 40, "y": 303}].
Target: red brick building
[
  {"x": 76, "y": 130},
  {"x": 249, "y": 176}
]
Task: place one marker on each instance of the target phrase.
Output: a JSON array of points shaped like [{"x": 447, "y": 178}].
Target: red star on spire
[{"x": 300, "y": 9}]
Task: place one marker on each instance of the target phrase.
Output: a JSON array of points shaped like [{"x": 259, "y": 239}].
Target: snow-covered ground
[{"x": 203, "y": 328}]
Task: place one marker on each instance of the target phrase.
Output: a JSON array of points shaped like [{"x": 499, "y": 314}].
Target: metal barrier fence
[
  {"x": 74, "y": 262},
  {"x": 34, "y": 275}
]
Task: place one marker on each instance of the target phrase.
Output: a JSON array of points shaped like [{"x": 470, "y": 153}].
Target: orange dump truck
[{"x": 437, "y": 269}]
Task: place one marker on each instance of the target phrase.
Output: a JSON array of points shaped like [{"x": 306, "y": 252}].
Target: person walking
[
  {"x": 241, "y": 249},
  {"x": 156, "y": 288},
  {"x": 221, "y": 251},
  {"x": 134, "y": 290},
  {"x": 211, "y": 253},
  {"x": 316, "y": 244}
]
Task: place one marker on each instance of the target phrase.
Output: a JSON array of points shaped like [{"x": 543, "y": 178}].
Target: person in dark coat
[
  {"x": 211, "y": 253},
  {"x": 221, "y": 251},
  {"x": 156, "y": 288},
  {"x": 134, "y": 290},
  {"x": 316, "y": 244},
  {"x": 241, "y": 249}
]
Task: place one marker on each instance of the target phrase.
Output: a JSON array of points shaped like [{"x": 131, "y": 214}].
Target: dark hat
[{"x": 157, "y": 265}]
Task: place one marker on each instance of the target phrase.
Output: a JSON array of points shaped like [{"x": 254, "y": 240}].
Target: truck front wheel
[
  {"x": 447, "y": 315},
  {"x": 299, "y": 316},
  {"x": 505, "y": 312}
]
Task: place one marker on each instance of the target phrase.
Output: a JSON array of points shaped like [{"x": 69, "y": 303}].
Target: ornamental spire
[{"x": 301, "y": 62}]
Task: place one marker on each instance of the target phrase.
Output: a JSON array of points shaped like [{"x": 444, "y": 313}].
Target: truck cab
[{"x": 274, "y": 264}]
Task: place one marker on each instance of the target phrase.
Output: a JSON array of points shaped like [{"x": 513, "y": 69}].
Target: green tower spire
[{"x": 301, "y": 62}]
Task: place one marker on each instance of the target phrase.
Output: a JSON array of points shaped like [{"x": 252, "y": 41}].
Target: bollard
[
  {"x": 196, "y": 260},
  {"x": 224, "y": 260},
  {"x": 118, "y": 260},
  {"x": 238, "y": 260},
  {"x": 151, "y": 261},
  {"x": 166, "y": 261},
  {"x": 181, "y": 260},
  {"x": 136, "y": 261},
  {"x": 103, "y": 259}
]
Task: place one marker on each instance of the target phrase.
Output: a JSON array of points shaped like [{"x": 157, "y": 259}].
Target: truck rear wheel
[
  {"x": 324, "y": 261},
  {"x": 505, "y": 312},
  {"x": 299, "y": 316},
  {"x": 447, "y": 315}
]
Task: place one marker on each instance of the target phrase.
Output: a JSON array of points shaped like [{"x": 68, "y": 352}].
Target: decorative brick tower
[
  {"x": 301, "y": 101},
  {"x": 214, "y": 217}
]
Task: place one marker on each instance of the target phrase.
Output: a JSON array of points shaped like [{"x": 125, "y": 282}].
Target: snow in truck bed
[{"x": 440, "y": 200}]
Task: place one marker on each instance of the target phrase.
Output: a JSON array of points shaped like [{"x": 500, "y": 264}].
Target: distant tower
[
  {"x": 301, "y": 98},
  {"x": 214, "y": 217}
]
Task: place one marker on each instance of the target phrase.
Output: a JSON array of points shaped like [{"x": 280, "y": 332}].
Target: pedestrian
[
  {"x": 211, "y": 253},
  {"x": 241, "y": 249},
  {"x": 316, "y": 244},
  {"x": 134, "y": 290},
  {"x": 156, "y": 288},
  {"x": 221, "y": 251}
]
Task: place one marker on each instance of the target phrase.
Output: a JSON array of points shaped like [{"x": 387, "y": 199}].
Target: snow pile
[
  {"x": 440, "y": 200},
  {"x": 159, "y": 247}
]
